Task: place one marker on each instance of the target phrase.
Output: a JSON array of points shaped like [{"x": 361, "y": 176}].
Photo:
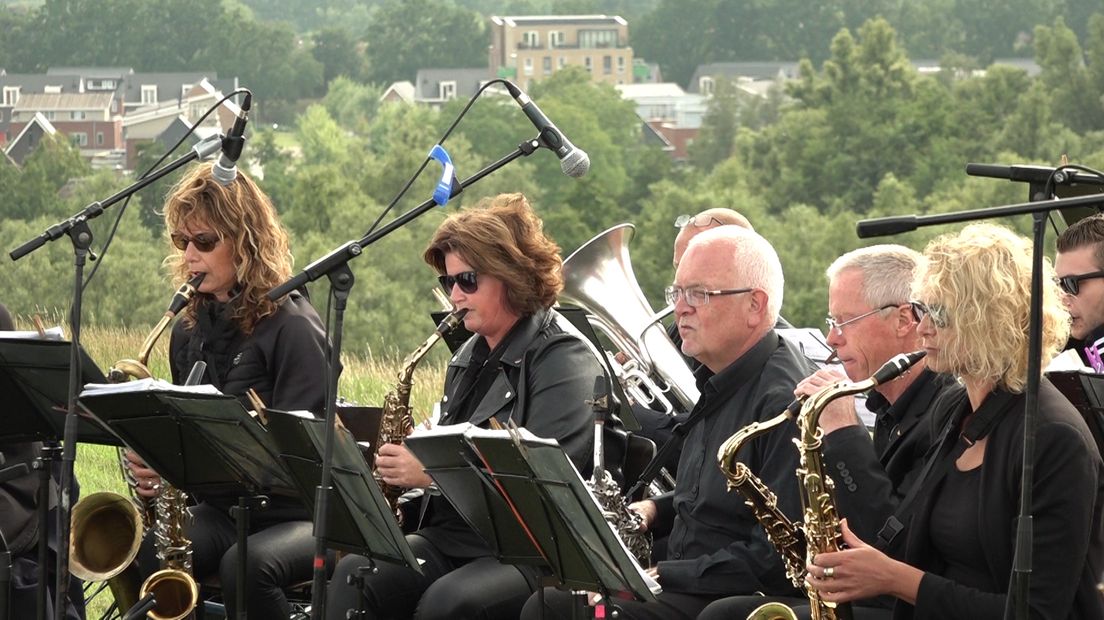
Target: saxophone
[
  {"x": 628, "y": 524},
  {"x": 820, "y": 530},
  {"x": 397, "y": 418},
  {"x": 173, "y": 587}
]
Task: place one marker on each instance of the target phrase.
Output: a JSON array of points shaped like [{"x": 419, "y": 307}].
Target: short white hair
[
  {"x": 887, "y": 272},
  {"x": 755, "y": 264}
]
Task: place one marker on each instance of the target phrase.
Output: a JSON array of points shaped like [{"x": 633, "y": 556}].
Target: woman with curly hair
[
  {"x": 524, "y": 364},
  {"x": 973, "y": 304},
  {"x": 232, "y": 235}
]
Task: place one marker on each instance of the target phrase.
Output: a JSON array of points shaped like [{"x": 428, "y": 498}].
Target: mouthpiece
[
  {"x": 897, "y": 366},
  {"x": 183, "y": 294}
]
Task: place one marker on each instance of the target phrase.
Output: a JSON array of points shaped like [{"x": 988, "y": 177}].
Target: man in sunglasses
[{"x": 1079, "y": 267}]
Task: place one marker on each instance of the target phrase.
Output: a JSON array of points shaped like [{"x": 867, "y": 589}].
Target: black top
[
  {"x": 1068, "y": 499},
  {"x": 716, "y": 546},
  {"x": 955, "y": 534},
  {"x": 541, "y": 381},
  {"x": 283, "y": 360},
  {"x": 870, "y": 483}
]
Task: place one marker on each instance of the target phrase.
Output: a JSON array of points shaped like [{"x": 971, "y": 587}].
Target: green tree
[
  {"x": 337, "y": 51},
  {"x": 406, "y": 35}
]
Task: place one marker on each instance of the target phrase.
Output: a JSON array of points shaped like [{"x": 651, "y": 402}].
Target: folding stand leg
[
  {"x": 50, "y": 453},
  {"x": 358, "y": 582},
  {"x": 241, "y": 516}
]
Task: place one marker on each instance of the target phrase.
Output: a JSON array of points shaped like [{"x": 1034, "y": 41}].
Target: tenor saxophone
[
  {"x": 397, "y": 418},
  {"x": 107, "y": 527}
]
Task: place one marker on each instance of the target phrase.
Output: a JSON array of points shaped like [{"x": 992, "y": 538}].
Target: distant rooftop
[
  {"x": 536, "y": 20},
  {"x": 64, "y": 101}
]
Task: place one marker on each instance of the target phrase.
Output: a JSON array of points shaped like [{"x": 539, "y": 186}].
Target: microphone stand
[
  {"x": 335, "y": 266},
  {"x": 76, "y": 227},
  {"x": 1017, "y": 603}
]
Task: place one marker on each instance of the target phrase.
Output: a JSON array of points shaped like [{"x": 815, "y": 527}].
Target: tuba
[
  {"x": 598, "y": 277},
  {"x": 107, "y": 527},
  {"x": 397, "y": 418}
]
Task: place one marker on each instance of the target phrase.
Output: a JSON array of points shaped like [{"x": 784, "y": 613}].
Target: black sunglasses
[
  {"x": 466, "y": 280},
  {"x": 204, "y": 242},
  {"x": 1071, "y": 285}
]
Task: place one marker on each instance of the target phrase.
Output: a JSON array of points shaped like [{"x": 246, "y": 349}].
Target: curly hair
[
  {"x": 982, "y": 277},
  {"x": 243, "y": 215},
  {"x": 503, "y": 237}
]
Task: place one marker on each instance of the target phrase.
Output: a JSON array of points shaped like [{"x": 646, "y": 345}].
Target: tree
[
  {"x": 406, "y": 35},
  {"x": 338, "y": 52},
  {"x": 717, "y": 135}
]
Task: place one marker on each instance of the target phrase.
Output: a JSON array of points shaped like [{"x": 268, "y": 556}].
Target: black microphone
[
  {"x": 573, "y": 160},
  {"x": 225, "y": 169}
]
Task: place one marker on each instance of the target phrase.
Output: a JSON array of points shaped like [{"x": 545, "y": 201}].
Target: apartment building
[{"x": 527, "y": 48}]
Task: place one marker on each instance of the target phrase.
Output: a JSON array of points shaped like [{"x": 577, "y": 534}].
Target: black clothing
[
  {"x": 284, "y": 361},
  {"x": 957, "y": 539},
  {"x": 1068, "y": 499},
  {"x": 870, "y": 483},
  {"x": 716, "y": 547},
  {"x": 544, "y": 374}
]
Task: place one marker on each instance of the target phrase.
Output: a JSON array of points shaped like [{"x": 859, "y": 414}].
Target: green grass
[{"x": 365, "y": 381}]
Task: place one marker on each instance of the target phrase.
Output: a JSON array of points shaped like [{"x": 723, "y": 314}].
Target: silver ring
[{"x": 829, "y": 572}]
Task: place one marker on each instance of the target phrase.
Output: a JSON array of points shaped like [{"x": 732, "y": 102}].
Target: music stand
[
  {"x": 553, "y": 511},
  {"x": 201, "y": 443},
  {"x": 1085, "y": 390},
  {"x": 361, "y": 521}
]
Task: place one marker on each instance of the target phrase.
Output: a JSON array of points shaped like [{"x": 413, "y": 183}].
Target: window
[
  {"x": 149, "y": 94},
  {"x": 78, "y": 115},
  {"x": 589, "y": 39},
  {"x": 530, "y": 39},
  {"x": 11, "y": 95},
  {"x": 99, "y": 138},
  {"x": 50, "y": 115},
  {"x": 51, "y": 90},
  {"x": 607, "y": 64},
  {"x": 528, "y": 66},
  {"x": 587, "y": 63},
  {"x": 562, "y": 62},
  {"x": 446, "y": 90},
  {"x": 79, "y": 138},
  {"x": 620, "y": 64},
  {"x": 547, "y": 65},
  {"x": 184, "y": 88},
  {"x": 101, "y": 84},
  {"x": 556, "y": 39},
  {"x": 705, "y": 85}
]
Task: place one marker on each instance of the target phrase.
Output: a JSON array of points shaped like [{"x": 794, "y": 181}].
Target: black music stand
[
  {"x": 201, "y": 443},
  {"x": 1085, "y": 390},
  {"x": 553, "y": 511},
  {"x": 361, "y": 521}
]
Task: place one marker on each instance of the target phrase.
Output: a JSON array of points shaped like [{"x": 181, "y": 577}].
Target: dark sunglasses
[
  {"x": 466, "y": 280},
  {"x": 204, "y": 242},
  {"x": 1071, "y": 285},
  {"x": 937, "y": 313}
]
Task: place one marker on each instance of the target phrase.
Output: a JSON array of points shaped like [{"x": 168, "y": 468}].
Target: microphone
[
  {"x": 225, "y": 169},
  {"x": 573, "y": 160}
]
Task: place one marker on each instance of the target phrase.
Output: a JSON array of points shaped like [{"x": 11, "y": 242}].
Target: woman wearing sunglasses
[
  {"x": 232, "y": 235},
  {"x": 525, "y": 365},
  {"x": 973, "y": 304}
]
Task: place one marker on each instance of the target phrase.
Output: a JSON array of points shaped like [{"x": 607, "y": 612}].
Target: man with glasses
[
  {"x": 870, "y": 320},
  {"x": 1079, "y": 267},
  {"x": 727, "y": 294}
]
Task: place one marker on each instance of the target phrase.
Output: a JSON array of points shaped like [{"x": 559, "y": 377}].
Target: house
[
  {"x": 399, "y": 92},
  {"x": 665, "y": 102},
  {"x": 752, "y": 77},
  {"x": 436, "y": 86},
  {"x": 30, "y": 135},
  {"x": 86, "y": 118},
  {"x": 527, "y": 48},
  {"x": 150, "y": 122}
]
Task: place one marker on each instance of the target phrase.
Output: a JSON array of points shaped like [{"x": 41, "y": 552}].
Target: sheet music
[
  {"x": 146, "y": 385},
  {"x": 52, "y": 333}
]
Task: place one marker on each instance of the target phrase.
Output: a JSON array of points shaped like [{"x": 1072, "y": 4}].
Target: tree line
[{"x": 861, "y": 134}]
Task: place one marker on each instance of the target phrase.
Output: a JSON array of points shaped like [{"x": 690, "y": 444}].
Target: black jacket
[
  {"x": 544, "y": 378},
  {"x": 1068, "y": 498},
  {"x": 716, "y": 546},
  {"x": 869, "y": 485}
]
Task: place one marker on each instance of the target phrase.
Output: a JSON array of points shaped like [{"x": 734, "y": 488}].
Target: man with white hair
[{"x": 727, "y": 294}]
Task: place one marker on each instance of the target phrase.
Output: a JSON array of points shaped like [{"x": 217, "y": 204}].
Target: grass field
[{"x": 364, "y": 381}]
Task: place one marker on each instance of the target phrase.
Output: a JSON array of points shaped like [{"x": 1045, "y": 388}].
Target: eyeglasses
[
  {"x": 1071, "y": 285},
  {"x": 466, "y": 280},
  {"x": 839, "y": 325},
  {"x": 937, "y": 313},
  {"x": 698, "y": 296},
  {"x": 204, "y": 242},
  {"x": 683, "y": 221}
]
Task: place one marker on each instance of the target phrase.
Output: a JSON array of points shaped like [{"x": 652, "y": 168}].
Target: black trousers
[
  {"x": 449, "y": 588},
  {"x": 280, "y": 554},
  {"x": 670, "y": 606}
]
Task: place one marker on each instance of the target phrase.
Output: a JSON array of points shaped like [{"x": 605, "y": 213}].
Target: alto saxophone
[
  {"x": 820, "y": 530},
  {"x": 397, "y": 418},
  {"x": 101, "y": 553}
]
